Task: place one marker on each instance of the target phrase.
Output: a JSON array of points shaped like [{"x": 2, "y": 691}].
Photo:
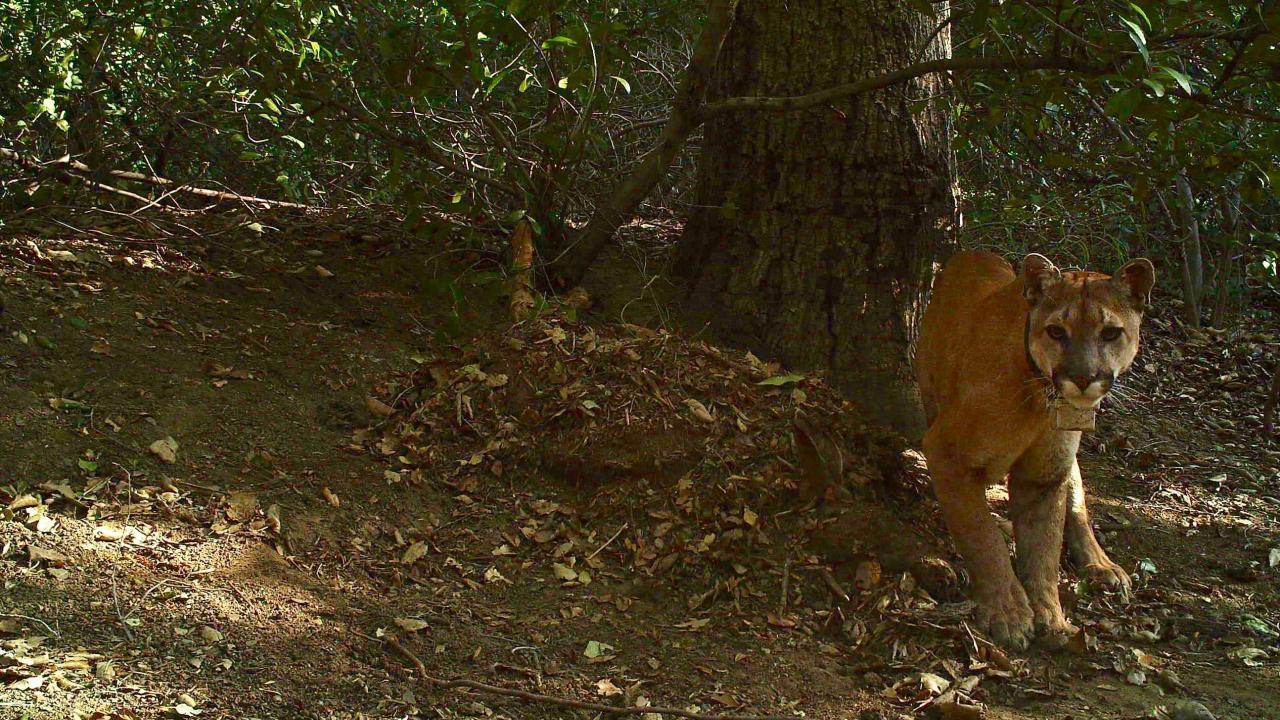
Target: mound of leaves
[{"x": 690, "y": 444}]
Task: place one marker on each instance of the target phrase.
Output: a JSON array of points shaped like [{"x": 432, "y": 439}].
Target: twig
[
  {"x": 421, "y": 670},
  {"x": 609, "y": 541},
  {"x": 16, "y": 616},
  {"x": 833, "y": 585},
  {"x": 120, "y": 614},
  {"x": 786, "y": 586}
]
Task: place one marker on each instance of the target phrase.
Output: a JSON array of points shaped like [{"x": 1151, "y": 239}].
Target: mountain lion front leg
[
  {"x": 1038, "y": 487},
  {"x": 1003, "y": 610},
  {"x": 1090, "y": 559}
]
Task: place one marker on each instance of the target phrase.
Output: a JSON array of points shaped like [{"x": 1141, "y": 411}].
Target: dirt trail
[{"x": 253, "y": 576}]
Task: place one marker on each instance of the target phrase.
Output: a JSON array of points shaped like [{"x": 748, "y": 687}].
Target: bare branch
[
  {"x": 911, "y": 72},
  {"x": 684, "y": 119}
]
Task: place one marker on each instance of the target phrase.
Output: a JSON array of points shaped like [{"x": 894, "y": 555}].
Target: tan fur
[{"x": 989, "y": 417}]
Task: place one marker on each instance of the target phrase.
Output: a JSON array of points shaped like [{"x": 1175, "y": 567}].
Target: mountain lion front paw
[{"x": 1006, "y": 616}]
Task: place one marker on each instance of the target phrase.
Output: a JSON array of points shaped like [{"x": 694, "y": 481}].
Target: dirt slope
[{"x": 298, "y": 523}]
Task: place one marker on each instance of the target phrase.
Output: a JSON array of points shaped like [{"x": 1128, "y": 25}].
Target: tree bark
[
  {"x": 1192, "y": 260},
  {"x": 1231, "y": 237},
  {"x": 814, "y": 233}
]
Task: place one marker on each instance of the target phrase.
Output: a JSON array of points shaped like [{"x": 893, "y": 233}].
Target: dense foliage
[
  {"x": 1155, "y": 130},
  {"x": 1172, "y": 153},
  {"x": 470, "y": 107}
]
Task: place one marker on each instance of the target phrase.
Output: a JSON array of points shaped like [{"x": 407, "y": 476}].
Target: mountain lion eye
[
  {"x": 1110, "y": 333},
  {"x": 1057, "y": 332}
]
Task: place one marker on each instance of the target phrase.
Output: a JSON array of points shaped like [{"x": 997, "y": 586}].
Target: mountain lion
[{"x": 1011, "y": 367}]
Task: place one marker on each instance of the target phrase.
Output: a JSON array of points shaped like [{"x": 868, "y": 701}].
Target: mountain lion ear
[
  {"x": 1037, "y": 274},
  {"x": 1137, "y": 278}
]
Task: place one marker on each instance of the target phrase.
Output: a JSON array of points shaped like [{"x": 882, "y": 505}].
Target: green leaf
[
  {"x": 1139, "y": 37},
  {"x": 294, "y": 140},
  {"x": 1122, "y": 105},
  {"x": 87, "y": 465},
  {"x": 559, "y": 40},
  {"x": 1156, "y": 86},
  {"x": 1183, "y": 80},
  {"x": 77, "y": 322},
  {"x": 781, "y": 379},
  {"x": 596, "y": 649},
  {"x": 1138, "y": 9},
  {"x": 626, "y": 86}
]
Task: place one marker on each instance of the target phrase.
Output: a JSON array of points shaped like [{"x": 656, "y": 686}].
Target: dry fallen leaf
[
  {"x": 330, "y": 497},
  {"x": 166, "y": 448},
  {"x": 414, "y": 552},
  {"x": 23, "y": 501},
  {"x": 28, "y": 683},
  {"x": 564, "y": 572},
  {"x": 699, "y": 410},
  {"x": 606, "y": 688},
  {"x": 109, "y": 533},
  {"x": 39, "y": 554},
  {"x": 411, "y": 624},
  {"x": 241, "y": 506},
  {"x": 377, "y": 407}
]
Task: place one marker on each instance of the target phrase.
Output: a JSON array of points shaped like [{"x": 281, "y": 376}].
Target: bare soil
[{"x": 365, "y": 449}]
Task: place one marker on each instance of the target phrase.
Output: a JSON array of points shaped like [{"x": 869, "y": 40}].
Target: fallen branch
[
  {"x": 422, "y": 673},
  {"x": 34, "y": 165},
  {"x": 67, "y": 166}
]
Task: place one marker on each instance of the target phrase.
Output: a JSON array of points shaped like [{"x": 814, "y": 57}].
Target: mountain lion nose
[{"x": 1083, "y": 381}]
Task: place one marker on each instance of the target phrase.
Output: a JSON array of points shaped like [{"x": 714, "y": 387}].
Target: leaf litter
[{"x": 663, "y": 465}]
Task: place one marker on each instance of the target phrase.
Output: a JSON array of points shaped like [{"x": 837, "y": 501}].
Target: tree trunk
[
  {"x": 814, "y": 233},
  {"x": 1192, "y": 260},
  {"x": 1231, "y": 236}
]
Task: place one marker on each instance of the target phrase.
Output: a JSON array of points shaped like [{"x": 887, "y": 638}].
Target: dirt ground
[{"x": 230, "y": 476}]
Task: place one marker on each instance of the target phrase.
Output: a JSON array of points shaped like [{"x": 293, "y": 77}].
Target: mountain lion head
[{"x": 1082, "y": 328}]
